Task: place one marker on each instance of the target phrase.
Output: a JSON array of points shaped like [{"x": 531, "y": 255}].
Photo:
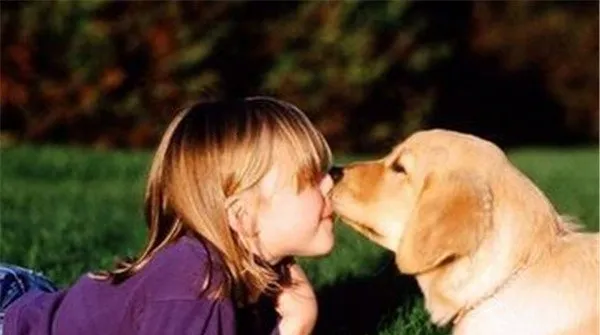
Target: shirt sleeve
[{"x": 203, "y": 316}]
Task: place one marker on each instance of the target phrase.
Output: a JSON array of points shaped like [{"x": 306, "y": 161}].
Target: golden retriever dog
[{"x": 489, "y": 251}]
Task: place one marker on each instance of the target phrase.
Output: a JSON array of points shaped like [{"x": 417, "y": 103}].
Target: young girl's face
[{"x": 291, "y": 222}]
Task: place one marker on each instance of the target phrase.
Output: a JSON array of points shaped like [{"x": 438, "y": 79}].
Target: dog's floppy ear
[{"x": 449, "y": 220}]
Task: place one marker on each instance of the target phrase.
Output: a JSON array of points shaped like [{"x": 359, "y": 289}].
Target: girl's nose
[{"x": 326, "y": 184}]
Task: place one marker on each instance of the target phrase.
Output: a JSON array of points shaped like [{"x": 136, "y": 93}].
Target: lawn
[{"x": 65, "y": 211}]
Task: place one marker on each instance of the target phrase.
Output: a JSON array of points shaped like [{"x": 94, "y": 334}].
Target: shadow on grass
[{"x": 359, "y": 305}]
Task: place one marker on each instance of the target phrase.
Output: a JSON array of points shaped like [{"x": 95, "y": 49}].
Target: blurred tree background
[{"x": 111, "y": 74}]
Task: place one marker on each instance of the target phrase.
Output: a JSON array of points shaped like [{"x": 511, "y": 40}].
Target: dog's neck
[
  {"x": 531, "y": 235},
  {"x": 526, "y": 263},
  {"x": 451, "y": 292},
  {"x": 447, "y": 305},
  {"x": 463, "y": 311}
]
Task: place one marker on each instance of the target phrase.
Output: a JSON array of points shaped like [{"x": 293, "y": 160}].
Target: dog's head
[{"x": 428, "y": 200}]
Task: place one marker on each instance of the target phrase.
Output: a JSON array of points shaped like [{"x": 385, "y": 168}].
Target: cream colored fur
[{"x": 488, "y": 249}]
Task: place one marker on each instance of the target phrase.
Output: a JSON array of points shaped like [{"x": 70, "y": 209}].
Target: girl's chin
[
  {"x": 322, "y": 249},
  {"x": 327, "y": 224},
  {"x": 326, "y": 245},
  {"x": 329, "y": 248},
  {"x": 321, "y": 245}
]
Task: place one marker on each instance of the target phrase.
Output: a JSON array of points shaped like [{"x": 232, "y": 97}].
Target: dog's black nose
[{"x": 336, "y": 173}]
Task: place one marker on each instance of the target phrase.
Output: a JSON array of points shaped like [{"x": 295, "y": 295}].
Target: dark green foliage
[{"x": 111, "y": 73}]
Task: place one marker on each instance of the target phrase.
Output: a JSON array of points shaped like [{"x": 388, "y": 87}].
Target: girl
[{"x": 234, "y": 190}]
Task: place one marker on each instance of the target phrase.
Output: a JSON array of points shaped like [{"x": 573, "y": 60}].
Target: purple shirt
[{"x": 163, "y": 298}]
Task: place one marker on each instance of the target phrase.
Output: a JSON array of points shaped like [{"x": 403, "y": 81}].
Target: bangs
[
  {"x": 297, "y": 146},
  {"x": 309, "y": 158}
]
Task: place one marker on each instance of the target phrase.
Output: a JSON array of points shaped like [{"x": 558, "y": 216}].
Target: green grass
[{"x": 65, "y": 211}]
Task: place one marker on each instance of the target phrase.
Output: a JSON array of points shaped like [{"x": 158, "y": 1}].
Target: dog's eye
[{"x": 397, "y": 167}]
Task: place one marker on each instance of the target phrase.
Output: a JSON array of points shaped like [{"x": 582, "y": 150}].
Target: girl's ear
[{"x": 238, "y": 217}]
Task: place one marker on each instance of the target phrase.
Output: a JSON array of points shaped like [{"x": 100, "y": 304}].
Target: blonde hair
[{"x": 215, "y": 150}]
